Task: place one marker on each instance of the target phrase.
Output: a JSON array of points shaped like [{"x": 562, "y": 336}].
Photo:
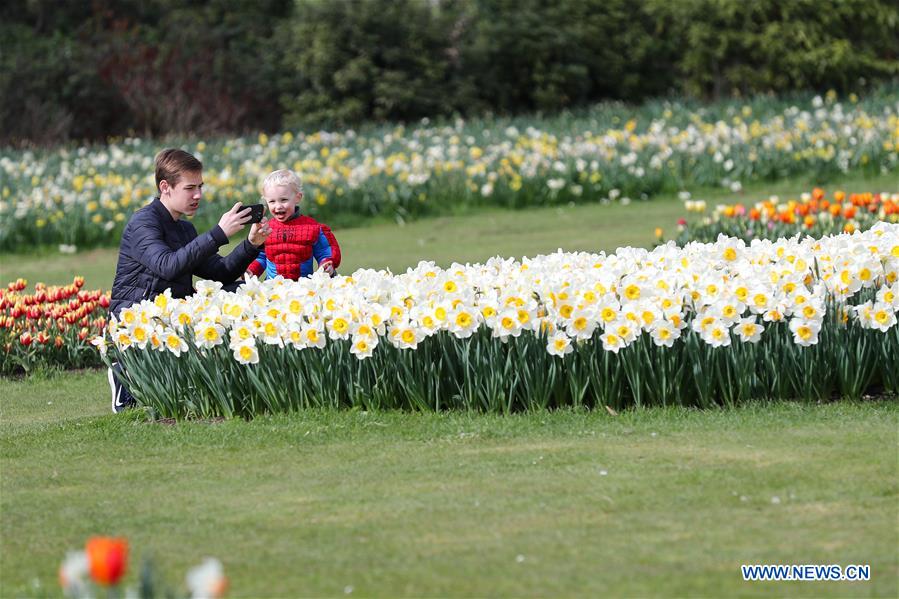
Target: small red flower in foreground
[{"x": 108, "y": 558}]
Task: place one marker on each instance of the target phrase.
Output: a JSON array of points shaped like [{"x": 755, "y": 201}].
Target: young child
[{"x": 295, "y": 239}]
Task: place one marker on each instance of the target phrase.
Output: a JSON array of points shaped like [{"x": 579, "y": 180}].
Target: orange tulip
[
  {"x": 108, "y": 558},
  {"x": 849, "y": 212},
  {"x": 809, "y": 221},
  {"x": 817, "y": 193},
  {"x": 839, "y": 196}
]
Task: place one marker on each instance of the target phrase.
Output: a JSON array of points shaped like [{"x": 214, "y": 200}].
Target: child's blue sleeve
[
  {"x": 321, "y": 249},
  {"x": 258, "y": 266}
]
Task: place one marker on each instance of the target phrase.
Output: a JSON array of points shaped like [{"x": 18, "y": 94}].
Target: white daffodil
[{"x": 246, "y": 353}]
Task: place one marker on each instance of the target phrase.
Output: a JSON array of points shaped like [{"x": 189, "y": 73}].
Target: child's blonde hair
[{"x": 283, "y": 177}]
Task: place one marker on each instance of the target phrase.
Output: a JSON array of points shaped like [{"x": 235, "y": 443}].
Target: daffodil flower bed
[
  {"x": 612, "y": 152},
  {"x": 814, "y": 213},
  {"x": 707, "y": 324}
]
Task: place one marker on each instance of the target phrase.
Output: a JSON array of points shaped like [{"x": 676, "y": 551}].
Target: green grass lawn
[
  {"x": 656, "y": 502},
  {"x": 472, "y": 237}
]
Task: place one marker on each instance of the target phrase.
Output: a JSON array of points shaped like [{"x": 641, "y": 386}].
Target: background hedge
[{"x": 89, "y": 70}]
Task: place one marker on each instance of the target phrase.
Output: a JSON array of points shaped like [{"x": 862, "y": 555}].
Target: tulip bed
[
  {"x": 815, "y": 213},
  {"x": 707, "y": 324},
  {"x": 611, "y": 152},
  {"x": 50, "y": 327}
]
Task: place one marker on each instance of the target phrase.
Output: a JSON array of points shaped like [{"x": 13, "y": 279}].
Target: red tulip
[
  {"x": 104, "y": 301},
  {"x": 108, "y": 558},
  {"x": 25, "y": 339}
]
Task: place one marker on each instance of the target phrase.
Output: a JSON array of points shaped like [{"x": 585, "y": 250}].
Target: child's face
[{"x": 281, "y": 200}]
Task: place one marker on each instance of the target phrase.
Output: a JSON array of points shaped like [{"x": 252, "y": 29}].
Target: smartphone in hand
[{"x": 256, "y": 212}]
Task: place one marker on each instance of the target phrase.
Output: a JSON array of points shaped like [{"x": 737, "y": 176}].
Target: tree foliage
[{"x": 79, "y": 70}]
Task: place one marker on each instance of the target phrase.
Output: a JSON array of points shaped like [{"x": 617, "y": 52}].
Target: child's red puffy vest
[{"x": 290, "y": 244}]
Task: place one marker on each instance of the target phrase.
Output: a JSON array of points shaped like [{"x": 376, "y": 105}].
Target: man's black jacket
[{"x": 158, "y": 253}]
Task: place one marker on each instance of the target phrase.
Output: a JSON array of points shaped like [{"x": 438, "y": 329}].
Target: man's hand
[
  {"x": 235, "y": 219},
  {"x": 328, "y": 267},
  {"x": 259, "y": 232}
]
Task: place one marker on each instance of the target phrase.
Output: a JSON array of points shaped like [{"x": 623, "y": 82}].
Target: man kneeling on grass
[{"x": 160, "y": 250}]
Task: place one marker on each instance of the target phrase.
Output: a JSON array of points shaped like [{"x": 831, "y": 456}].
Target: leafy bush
[{"x": 91, "y": 70}]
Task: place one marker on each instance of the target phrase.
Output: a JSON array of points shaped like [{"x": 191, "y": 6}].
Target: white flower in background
[
  {"x": 363, "y": 346},
  {"x": 612, "y": 342},
  {"x": 405, "y": 336},
  {"x": 207, "y": 287},
  {"x": 339, "y": 326},
  {"x": 749, "y": 330},
  {"x": 464, "y": 322},
  {"x": 73, "y": 574},
  {"x": 207, "y": 335},
  {"x": 314, "y": 336},
  {"x": 207, "y": 581},
  {"x": 805, "y": 332},
  {"x": 173, "y": 342},
  {"x": 663, "y": 333},
  {"x": 559, "y": 345},
  {"x": 716, "y": 334},
  {"x": 883, "y": 317},
  {"x": 246, "y": 353},
  {"x": 100, "y": 343}
]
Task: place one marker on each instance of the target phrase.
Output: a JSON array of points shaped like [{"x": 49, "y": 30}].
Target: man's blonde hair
[{"x": 283, "y": 177}]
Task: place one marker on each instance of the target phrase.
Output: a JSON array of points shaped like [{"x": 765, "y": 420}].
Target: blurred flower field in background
[
  {"x": 814, "y": 213},
  {"x": 75, "y": 197}
]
